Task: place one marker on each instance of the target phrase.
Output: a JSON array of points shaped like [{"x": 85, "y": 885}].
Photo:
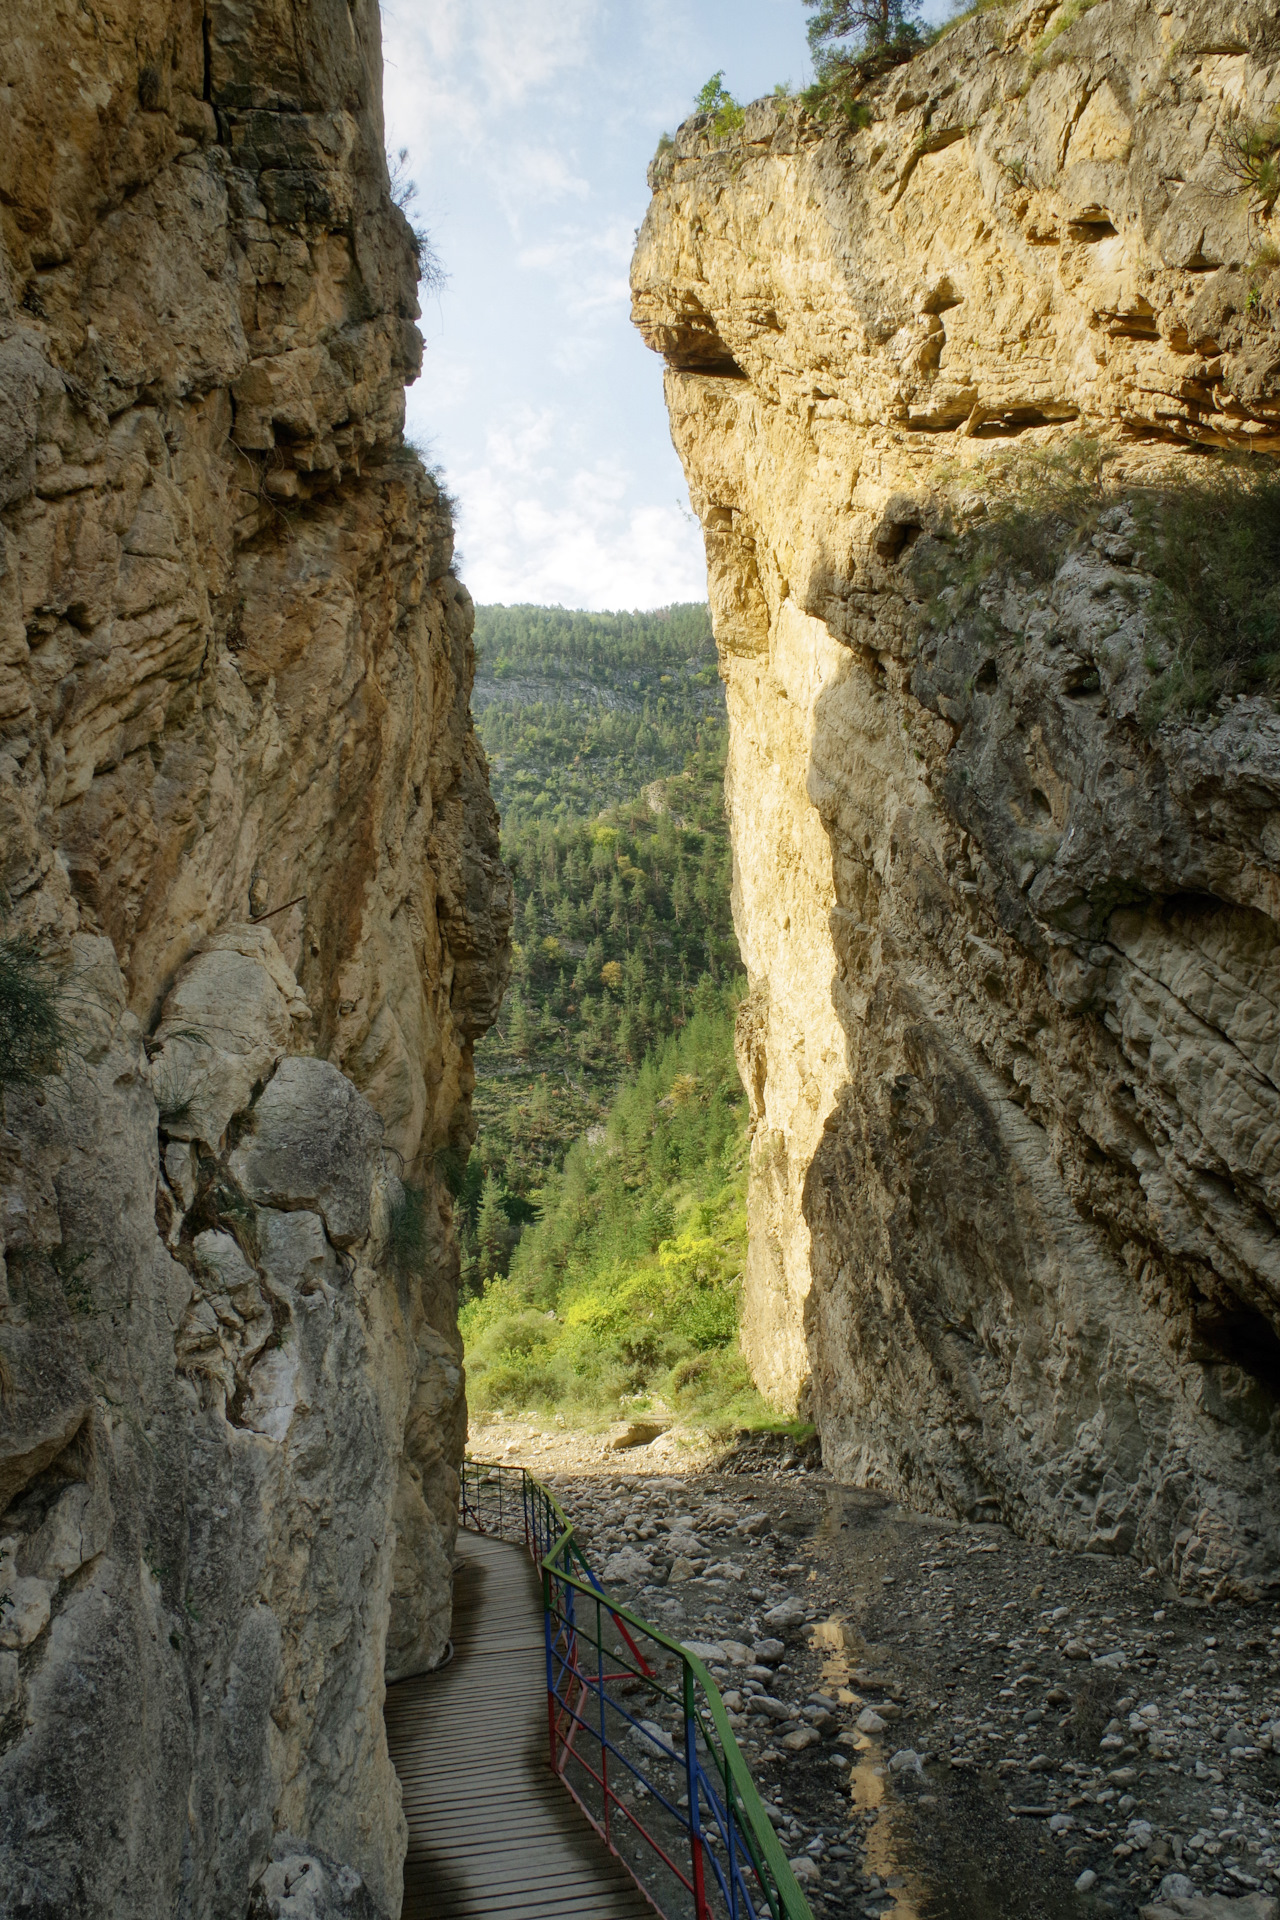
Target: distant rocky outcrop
[
  {"x": 244, "y": 815},
  {"x": 1010, "y": 1042}
]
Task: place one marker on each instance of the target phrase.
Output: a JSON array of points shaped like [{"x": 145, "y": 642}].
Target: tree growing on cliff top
[
  {"x": 852, "y": 40},
  {"x": 716, "y": 98}
]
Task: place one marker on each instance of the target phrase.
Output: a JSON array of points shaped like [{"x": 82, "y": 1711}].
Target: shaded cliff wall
[
  {"x": 235, "y": 666},
  {"x": 1010, "y": 1038}
]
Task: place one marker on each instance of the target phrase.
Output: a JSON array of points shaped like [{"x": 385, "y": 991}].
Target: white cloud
[
  {"x": 578, "y": 541},
  {"x": 456, "y": 67},
  {"x": 529, "y": 125},
  {"x": 592, "y": 266}
]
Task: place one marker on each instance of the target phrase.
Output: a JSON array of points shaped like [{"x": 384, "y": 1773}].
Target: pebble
[
  {"x": 1086, "y": 1880},
  {"x": 1176, "y": 1886}
]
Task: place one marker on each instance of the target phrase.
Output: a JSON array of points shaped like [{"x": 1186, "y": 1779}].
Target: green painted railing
[{"x": 711, "y": 1850}]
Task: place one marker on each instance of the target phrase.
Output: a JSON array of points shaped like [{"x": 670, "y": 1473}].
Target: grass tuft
[{"x": 1062, "y": 22}]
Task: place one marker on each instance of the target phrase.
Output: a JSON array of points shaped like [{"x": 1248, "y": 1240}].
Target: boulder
[
  {"x": 228, "y": 1019},
  {"x": 313, "y": 1143}
]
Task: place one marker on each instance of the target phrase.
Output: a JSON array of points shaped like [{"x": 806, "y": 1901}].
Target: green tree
[
  {"x": 715, "y": 98},
  {"x": 518, "y": 1024},
  {"x": 491, "y": 1227},
  {"x": 843, "y": 31}
]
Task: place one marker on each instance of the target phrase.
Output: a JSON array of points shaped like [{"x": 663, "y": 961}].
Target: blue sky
[{"x": 529, "y": 125}]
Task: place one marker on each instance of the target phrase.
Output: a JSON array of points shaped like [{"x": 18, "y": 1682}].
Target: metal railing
[{"x": 709, "y": 1853}]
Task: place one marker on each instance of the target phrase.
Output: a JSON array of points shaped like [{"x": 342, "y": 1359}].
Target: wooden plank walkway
[{"x": 492, "y": 1834}]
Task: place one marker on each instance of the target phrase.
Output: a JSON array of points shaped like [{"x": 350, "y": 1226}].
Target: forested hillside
[
  {"x": 622, "y": 910},
  {"x": 604, "y": 1204},
  {"x": 579, "y": 711},
  {"x": 625, "y": 1292}
]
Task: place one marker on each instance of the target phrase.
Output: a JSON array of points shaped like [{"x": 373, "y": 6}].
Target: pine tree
[
  {"x": 491, "y": 1227},
  {"x": 842, "y": 30}
]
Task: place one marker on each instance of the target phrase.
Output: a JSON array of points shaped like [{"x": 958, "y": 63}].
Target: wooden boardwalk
[{"x": 492, "y": 1834}]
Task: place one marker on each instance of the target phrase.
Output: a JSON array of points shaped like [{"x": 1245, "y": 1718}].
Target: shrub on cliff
[
  {"x": 1209, "y": 540},
  {"x": 715, "y": 99},
  {"x": 1214, "y": 549},
  {"x": 31, "y": 1027}
]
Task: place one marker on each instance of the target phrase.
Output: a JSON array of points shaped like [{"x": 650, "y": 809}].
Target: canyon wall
[
  {"x": 245, "y": 819},
  {"x": 1010, "y": 1040}
]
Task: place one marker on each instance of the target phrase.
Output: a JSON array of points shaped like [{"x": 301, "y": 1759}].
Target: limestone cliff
[
  {"x": 245, "y": 815},
  {"x": 1011, "y": 1036}
]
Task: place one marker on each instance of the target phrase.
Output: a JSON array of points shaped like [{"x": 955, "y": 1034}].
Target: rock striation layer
[
  {"x": 1010, "y": 1042},
  {"x": 244, "y": 812}
]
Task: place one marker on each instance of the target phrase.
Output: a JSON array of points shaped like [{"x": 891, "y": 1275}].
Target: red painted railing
[{"x": 712, "y": 1853}]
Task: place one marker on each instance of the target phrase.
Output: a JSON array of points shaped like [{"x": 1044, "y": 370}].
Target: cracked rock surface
[
  {"x": 1013, "y": 960},
  {"x": 244, "y": 815}
]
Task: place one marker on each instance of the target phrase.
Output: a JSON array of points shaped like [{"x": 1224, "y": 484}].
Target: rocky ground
[{"x": 947, "y": 1722}]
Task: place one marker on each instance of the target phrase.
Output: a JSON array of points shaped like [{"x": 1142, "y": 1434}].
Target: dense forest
[
  {"x": 579, "y": 711},
  {"x": 622, "y": 911}
]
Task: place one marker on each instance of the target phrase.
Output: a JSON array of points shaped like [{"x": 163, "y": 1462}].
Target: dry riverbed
[{"x": 950, "y": 1723}]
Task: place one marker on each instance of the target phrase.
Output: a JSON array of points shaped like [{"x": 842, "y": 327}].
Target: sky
[{"x": 529, "y": 125}]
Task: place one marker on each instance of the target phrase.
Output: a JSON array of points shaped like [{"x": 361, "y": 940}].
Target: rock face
[
  {"x": 1010, "y": 1042},
  {"x": 244, "y": 812}
]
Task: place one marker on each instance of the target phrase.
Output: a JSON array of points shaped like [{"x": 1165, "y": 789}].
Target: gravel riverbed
[{"x": 947, "y": 1722}]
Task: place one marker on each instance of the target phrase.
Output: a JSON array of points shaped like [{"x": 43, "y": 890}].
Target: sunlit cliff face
[{"x": 1011, "y": 952}]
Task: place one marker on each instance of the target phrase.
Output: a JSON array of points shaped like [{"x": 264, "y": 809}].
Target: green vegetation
[
  {"x": 1210, "y": 540},
  {"x": 714, "y": 98},
  {"x": 1251, "y": 153},
  {"x": 404, "y": 191},
  {"x": 602, "y": 1211},
  {"x": 409, "y": 1243},
  {"x": 852, "y": 42},
  {"x": 618, "y": 920},
  {"x": 32, "y": 1031},
  {"x": 1214, "y": 548},
  {"x": 969, "y": 12},
  {"x": 580, "y": 711},
  {"x": 624, "y": 1296},
  {"x": 606, "y": 739}
]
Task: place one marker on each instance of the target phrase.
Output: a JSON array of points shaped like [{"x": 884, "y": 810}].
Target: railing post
[
  {"x": 604, "y": 1725},
  {"x": 551, "y": 1679},
  {"x": 701, "y": 1910}
]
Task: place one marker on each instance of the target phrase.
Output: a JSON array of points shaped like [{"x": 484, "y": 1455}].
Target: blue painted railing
[{"x": 713, "y": 1853}]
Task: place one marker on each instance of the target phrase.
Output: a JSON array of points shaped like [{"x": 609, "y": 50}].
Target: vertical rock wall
[
  {"x": 243, "y": 810},
  {"x": 1010, "y": 1038}
]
